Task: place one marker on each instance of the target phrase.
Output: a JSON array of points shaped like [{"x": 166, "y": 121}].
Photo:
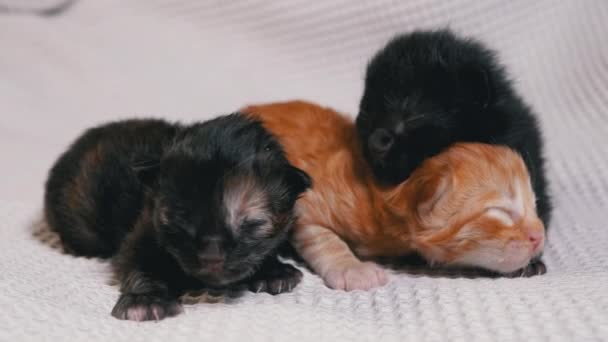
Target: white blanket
[{"x": 191, "y": 60}]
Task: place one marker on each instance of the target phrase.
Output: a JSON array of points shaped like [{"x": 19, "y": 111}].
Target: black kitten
[
  {"x": 177, "y": 208},
  {"x": 427, "y": 90}
]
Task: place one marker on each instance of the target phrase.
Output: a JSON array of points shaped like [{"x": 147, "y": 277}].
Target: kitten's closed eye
[
  {"x": 504, "y": 215},
  {"x": 175, "y": 220},
  {"x": 257, "y": 227},
  {"x": 185, "y": 227},
  {"x": 249, "y": 225}
]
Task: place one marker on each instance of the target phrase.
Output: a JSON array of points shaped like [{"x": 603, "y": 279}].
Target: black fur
[
  {"x": 151, "y": 195},
  {"x": 428, "y": 89}
]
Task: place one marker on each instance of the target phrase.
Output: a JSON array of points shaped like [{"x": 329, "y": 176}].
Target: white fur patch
[
  {"x": 244, "y": 200},
  {"x": 495, "y": 256}
]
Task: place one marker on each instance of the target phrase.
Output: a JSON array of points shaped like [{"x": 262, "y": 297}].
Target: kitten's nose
[
  {"x": 381, "y": 141},
  {"x": 536, "y": 237},
  {"x": 211, "y": 251}
]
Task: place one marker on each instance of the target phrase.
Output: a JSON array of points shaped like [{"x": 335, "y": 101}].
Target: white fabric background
[{"x": 191, "y": 60}]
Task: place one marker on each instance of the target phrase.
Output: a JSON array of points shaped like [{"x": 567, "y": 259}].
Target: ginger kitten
[{"x": 471, "y": 205}]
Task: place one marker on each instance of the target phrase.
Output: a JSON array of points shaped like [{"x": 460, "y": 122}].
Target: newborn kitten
[
  {"x": 177, "y": 208},
  {"x": 471, "y": 205},
  {"x": 429, "y": 89}
]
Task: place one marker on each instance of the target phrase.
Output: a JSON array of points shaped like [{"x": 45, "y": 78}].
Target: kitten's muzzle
[
  {"x": 380, "y": 141},
  {"x": 214, "y": 265},
  {"x": 212, "y": 255}
]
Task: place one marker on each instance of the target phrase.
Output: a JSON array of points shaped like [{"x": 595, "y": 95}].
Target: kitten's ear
[
  {"x": 297, "y": 181},
  {"x": 431, "y": 186},
  {"x": 475, "y": 87},
  {"x": 146, "y": 169}
]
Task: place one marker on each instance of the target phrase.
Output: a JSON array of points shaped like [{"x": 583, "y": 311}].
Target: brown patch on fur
[
  {"x": 42, "y": 232},
  {"x": 75, "y": 193},
  {"x": 440, "y": 211}
]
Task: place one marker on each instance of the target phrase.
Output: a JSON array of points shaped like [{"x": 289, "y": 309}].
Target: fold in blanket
[{"x": 36, "y": 7}]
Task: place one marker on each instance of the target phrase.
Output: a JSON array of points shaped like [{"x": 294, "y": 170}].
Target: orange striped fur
[{"x": 470, "y": 205}]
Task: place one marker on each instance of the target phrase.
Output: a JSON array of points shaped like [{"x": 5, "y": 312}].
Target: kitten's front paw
[
  {"x": 534, "y": 268},
  {"x": 145, "y": 307},
  {"x": 276, "y": 279},
  {"x": 356, "y": 276}
]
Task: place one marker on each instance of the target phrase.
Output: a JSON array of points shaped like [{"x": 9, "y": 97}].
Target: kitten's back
[{"x": 92, "y": 193}]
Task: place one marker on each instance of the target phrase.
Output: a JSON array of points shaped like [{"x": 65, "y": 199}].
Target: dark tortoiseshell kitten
[{"x": 177, "y": 208}]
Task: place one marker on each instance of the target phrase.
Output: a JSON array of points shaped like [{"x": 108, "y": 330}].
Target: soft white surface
[{"x": 189, "y": 59}]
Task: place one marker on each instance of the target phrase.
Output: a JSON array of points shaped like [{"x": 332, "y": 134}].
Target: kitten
[
  {"x": 429, "y": 89},
  {"x": 177, "y": 208},
  {"x": 471, "y": 205}
]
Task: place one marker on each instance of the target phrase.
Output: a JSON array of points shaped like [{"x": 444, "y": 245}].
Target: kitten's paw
[
  {"x": 534, "y": 268},
  {"x": 356, "y": 276},
  {"x": 277, "y": 279},
  {"x": 145, "y": 307}
]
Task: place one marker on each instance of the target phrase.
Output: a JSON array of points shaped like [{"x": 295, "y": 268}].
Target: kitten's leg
[
  {"x": 331, "y": 258},
  {"x": 144, "y": 299},
  {"x": 275, "y": 277},
  {"x": 149, "y": 279}
]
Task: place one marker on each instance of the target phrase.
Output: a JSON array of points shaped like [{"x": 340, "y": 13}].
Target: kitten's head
[
  {"x": 476, "y": 207},
  {"x": 225, "y": 198},
  {"x": 423, "y": 91}
]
